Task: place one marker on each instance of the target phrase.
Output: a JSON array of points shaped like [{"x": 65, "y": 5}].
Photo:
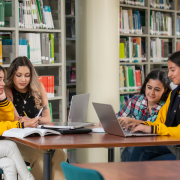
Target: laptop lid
[
  {"x": 108, "y": 119},
  {"x": 78, "y": 108}
]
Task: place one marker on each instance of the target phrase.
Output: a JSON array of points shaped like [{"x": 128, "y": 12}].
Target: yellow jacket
[
  {"x": 7, "y": 117},
  {"x": 159, "y": 126}
]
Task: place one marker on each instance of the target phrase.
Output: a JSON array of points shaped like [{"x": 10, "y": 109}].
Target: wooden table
[
  {"x": 151, "y": 170},
  {"x": 92, "y": 140}
]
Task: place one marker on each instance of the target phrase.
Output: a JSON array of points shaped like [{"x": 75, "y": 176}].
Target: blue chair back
[
  {"x": 76, "y": 173},
  {"x": 1, "y": 172}
]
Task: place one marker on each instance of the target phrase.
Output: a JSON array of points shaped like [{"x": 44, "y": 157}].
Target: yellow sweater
[
  {"x": 7, "y": 117},
  {"x": 159, "y": 126}
]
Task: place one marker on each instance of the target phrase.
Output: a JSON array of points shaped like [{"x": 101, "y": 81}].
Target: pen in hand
[{"x": 25, "y": 113}]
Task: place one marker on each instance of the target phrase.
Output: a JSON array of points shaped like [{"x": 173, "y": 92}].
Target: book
[{"x": 21, "y": 133}]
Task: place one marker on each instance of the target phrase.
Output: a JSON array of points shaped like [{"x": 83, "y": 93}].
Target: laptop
[
  {"x": 111, "y": 124},
  {"x": 77, "y": 114}
]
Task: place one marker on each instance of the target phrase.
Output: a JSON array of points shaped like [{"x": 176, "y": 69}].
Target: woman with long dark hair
[
  {"x": 168, "y": 120},
  {"x": 146, "y": 105}
]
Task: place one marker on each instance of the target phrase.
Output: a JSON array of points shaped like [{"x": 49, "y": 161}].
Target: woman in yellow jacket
[
  {"x": 11, "y": 161},
  {"x": 168, "y": 119}
]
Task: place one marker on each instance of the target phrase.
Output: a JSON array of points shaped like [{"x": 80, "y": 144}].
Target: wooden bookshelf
[
  {"x": 59, "y": 67},
  {"x": 148, "y": 65}
]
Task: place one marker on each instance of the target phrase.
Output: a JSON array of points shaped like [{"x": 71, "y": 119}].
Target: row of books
[
  {"x": 160, "y": 24},
  {"x": 178, "y": 46},
  {"x": 39, "y": 48},
  {"x": 132, "y": 49},
  {"x": 160, "y": 49},
  {"x": 32, "y": 14},
  {"x": 161, "y": 4},
  {"x": 133, "y": 2},
  {"x": 70, "y": 74},
  {"x": 70, "y": 28},
  {"x": 131, "y": 78},
  {"x": 124, "y": 99},
  {"x": 70, "y": 9},
  {"x": 130, "y": 21},
  {"x": 178, "y": 26},
  {"x": 50, "y": 108},
  {"x": 48, "y": 82}
]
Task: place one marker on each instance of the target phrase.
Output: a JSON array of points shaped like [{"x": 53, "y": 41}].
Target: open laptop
[
  {"x": 77, "y": 114},
  {"x": 110, "y": 122}
]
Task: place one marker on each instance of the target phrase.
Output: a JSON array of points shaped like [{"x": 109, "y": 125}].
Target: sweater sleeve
[
  {"x": 159, "y": 127},
  {"x": 6, "y": 125},
  {"x": 6, "y": 110}
]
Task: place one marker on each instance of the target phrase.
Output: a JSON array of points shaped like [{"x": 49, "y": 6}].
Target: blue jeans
[
  {"x": 151, "y": 153},
  {"x": 126, "y": 154}
]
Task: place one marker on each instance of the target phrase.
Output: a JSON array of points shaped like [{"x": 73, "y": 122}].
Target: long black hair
[
  {"x": 175, "y": 58},
  {"x": 162, "y": 77}
]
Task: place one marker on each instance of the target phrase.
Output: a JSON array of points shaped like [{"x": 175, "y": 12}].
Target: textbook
[{"x": 21, "y": 133}]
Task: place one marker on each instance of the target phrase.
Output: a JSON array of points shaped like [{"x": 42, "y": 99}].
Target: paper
[{"x": 98, "y": 130}]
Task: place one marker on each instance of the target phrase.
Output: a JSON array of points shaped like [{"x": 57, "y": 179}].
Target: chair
[
  {"x": 1, "y": 172},
  {"x": 76, "y": 173}
]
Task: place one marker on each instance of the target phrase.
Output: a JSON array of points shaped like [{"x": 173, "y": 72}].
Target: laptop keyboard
[{"x": 128, "y": 132}]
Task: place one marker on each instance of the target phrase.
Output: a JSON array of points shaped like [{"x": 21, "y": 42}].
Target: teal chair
[
  {"x": 1, "y": 172},
  {"x": 76, "y": 173}
]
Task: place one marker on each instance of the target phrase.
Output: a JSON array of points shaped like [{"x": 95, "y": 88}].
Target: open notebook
[{"x": 21, "y": 133}]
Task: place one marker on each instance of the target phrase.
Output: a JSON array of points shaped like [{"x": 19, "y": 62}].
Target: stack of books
[
  {"x": 160, "y": 49},
  {"x": 32, "y": 14},
  {"x": 130, "y": 21},
  {"x": 132, "y": 49},
  {"x": 131, "y": 78},
  {"x": 178, "y": 26},
  {"x": 48, "y": 82},
  {"x": 160, "y": 24}
]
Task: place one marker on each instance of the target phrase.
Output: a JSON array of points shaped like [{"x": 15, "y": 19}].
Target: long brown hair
[
  {"x": 4, "y": 71},
  {"x": 33, "y": 86}
]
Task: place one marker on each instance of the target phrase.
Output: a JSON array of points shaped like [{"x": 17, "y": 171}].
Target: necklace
[{"x": 24, "y": 99}]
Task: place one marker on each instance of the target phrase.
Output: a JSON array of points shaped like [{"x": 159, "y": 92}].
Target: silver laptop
[
  {"x": 77, "y": 114},
  {"x": 110, "y": 122}
]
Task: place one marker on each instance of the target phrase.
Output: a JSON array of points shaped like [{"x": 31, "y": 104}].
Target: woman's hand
[
  {"x": 124, "y": 121},
  {"x": 31, "y": 123},
  {"x": 139, "y": 127}
]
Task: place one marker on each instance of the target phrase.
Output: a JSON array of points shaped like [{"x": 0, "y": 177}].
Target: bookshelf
[
  {"x": 173, "y": 38},
  {"x": 70, "y": 50},
  {"x": 58, "y": 68}
]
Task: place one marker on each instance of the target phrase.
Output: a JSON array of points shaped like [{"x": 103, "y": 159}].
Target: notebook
[{"x": 110, "y": 122}]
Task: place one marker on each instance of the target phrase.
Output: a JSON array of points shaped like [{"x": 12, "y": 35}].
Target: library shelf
[
  {"x": 40, "y": 30},
  {"x": 133, "y": 63},
  {"x": 39, "y": 65},
  {"x": 133, "y": 35},
  {"x": 161, "y": 36},
  {"x": 7, "y": 29},
  {"x": 133, "y": 7},
  {"x": 55, "y": 98},
  {"x": 70, "y": 61},
  {"x": 70, "y": 39},
  {"x": 159, "y": 63},
  {"x": 163, "y": 10},
  {"x": 72, "y": 17},
  {"x": 71, "y": 84},
  {"x": 129, "y": 92}
]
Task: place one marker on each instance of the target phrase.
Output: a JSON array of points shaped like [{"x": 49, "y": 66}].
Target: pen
[
  {"x": 39, "y": 112},
  {"x": 25, "y": 113}
]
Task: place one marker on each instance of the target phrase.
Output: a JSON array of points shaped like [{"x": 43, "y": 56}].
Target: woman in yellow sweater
[
  {"x": 11, "y": 161},
  {"x": 168, "y": 119}
]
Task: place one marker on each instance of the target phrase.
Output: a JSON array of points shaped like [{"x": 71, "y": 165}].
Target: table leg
[
  {"x": 177, "y": 153},
  {"x": 110, "y": 154},
  {"x": 47, "y": 165}
]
